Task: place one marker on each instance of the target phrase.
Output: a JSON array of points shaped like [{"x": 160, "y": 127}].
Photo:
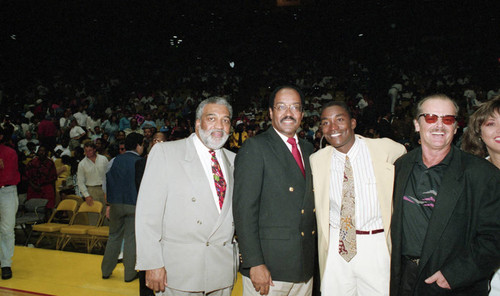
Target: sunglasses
[{"x": 433, "y": 118}]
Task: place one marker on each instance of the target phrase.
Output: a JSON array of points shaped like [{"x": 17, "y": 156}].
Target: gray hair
[
  {"x": 213, "y": 100},
  {"x": 418, "y": 110}
]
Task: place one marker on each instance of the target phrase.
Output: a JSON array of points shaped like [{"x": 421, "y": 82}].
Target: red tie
[
  {"x": 296, "y": 155},
  {"x": 220, "y": 183}
]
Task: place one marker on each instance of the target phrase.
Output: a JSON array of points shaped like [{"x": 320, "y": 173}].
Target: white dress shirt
[
  {"x": 285, "y": 139},
  {"x": 367, "y": 207},
  {"x": 206, "y": 162},
  {"x": 91, "y": 173}
]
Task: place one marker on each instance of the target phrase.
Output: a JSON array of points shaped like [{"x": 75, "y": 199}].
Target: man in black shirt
[{"x": 445, "y": 226}]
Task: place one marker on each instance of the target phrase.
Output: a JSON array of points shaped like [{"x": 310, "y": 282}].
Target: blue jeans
[{"x": 8, "y": 209}]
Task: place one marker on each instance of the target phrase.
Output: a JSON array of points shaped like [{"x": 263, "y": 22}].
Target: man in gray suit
[{"x": 184, "y": 220}]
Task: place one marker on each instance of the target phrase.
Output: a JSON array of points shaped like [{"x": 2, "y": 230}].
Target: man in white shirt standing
[
  {"x": 91, "y": 172},
  {"x": 353, "y": 180}
]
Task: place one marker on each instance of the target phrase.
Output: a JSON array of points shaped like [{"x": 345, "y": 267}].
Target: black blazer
[
  {"x": 463, "y": 236},
  {"x": 273, "y": 208}
]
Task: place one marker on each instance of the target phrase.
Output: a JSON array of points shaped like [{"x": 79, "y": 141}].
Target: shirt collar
[
  {"x": 445, "y": 162},
  {"x": 285, "y": 138},
  {"x": 352, "y": 153},
  {"x": 201, "y": 147}
]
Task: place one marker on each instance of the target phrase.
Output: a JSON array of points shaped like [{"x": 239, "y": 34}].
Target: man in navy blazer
[
  {"x": 446, "y": 223},
  {"x": 274, "y": 204},
  {"x": 121, "y": 198}
]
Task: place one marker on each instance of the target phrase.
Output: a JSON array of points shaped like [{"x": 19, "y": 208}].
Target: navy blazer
[{"x": 273, "y": 206}]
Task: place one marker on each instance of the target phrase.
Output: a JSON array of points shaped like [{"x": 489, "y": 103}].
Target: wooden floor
[{"x": 39, "y": 271}]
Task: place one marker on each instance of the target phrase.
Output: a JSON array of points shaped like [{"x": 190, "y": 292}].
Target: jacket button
[
  {"x": 290, "y": 189},
  {"x": 314, "y": 210},
  {"x": 313, "y": 232},
  {"x": 199, "y": 222},
  {"x": 302, "y": 211},
  {"x": 193, "y": 199},
  {"x": 208, "y": 244},
  {"x": 302, "y": 233}
]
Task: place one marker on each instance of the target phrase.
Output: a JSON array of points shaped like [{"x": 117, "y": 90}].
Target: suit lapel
[
  {"x": 279, "y": 148},
  {"x": 322, "y": 194},
  {"x": 449, "y": 192},
  {"x": 199, "y": 182},
  {"x": 402, "y": 177}
]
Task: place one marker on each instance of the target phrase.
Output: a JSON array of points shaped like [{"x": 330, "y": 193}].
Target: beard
[{"x": 210, "y": 141}]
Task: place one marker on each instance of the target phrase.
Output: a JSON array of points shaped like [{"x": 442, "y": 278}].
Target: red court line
[{"x": 27, "y": 292}]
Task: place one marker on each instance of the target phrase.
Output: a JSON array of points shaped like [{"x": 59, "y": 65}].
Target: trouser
[
  {"x": 97, "y": 195},
  {"x": 368, "y": 272},
  {"x": 121, "y": 227},
  {"x": 280, "y": 288},
  {"x": 409, "y": 273},
  {"x": 174, "y": 292},
  {"x": 8, "y": 209}
]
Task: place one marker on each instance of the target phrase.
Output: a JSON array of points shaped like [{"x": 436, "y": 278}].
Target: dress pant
[
  {"x": 121, "y": 227},
  {"x": 409, "y": 272},
  {"x": 173, "y": 292},
  {"x": 97, "y": 195},
  {"x": 8, "y": 209},
  {"x": 280, "y": 288},
  {"x": 368, "y": 272}
]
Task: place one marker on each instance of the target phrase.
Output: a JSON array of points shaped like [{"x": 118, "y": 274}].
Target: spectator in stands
[
  {"x": 134, "y": 127},
  {"x": 111, "y": 126},
  {"x": 76, "y": 133},
  {"x": 238, "y": 137},
  {"x": 28, "y": 138},
  {"x": 42, "y": 175},
  {"x": 47, "y": 132},
  {"x": 148, "y": 121}
]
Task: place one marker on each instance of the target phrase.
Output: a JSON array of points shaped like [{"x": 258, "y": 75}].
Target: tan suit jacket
[{"x": 383, "y": 153}]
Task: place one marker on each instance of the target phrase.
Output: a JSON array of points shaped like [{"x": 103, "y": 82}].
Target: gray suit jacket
[{"x": 177, "y": 223}]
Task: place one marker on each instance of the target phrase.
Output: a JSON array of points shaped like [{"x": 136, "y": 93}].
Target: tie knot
[
  {"x": 292, "y": 142},
  {"x": 212, "y": 152}
]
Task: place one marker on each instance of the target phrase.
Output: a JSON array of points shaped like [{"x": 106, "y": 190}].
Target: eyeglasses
[
  {"x": 433, "y": 118},
  {"x": 283, "y": 107}
]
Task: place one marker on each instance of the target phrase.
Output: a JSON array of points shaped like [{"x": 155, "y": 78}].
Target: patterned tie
[
  {"x": 296, "y": 155},
  {"x": 347, "y": 234},
  {"x": 220, "y": 183}
]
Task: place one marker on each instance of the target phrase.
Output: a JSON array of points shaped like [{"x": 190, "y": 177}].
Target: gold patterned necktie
[{"x": 347, "y": 234}]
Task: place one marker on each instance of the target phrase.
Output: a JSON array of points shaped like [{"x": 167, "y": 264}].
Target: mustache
[
  {"x": 440, "y": 130},
  {"x": 288, "y": 117},
  {"x": 216, "y": 130}
]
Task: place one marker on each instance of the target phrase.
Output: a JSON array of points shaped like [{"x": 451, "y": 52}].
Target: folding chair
[
  {"x": 31, "y": 213},
  {"x": 55, "y": 223},
  {"x": 98, "y": 236},
  {"x": 80, "y": 231}
]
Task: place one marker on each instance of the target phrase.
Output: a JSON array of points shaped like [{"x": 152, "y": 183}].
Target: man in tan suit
[
  {"x": 184, "y": 218},
  {"x": 353, "y": 181}
]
